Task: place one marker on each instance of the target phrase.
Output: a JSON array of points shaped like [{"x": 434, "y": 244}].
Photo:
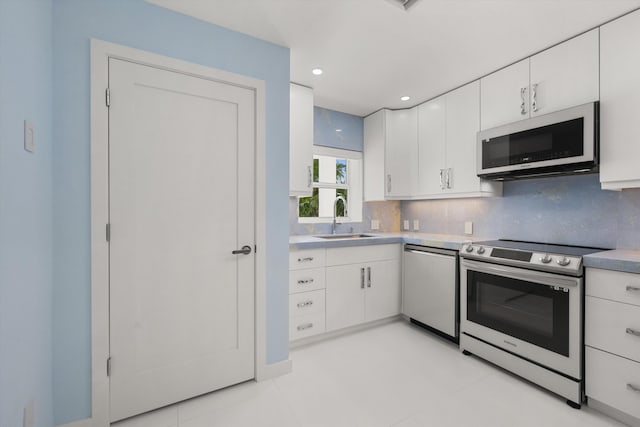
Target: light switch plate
[
  {"x": 416, "y": 225},
  {"x": 405, "y": 225},
  {"x": 375, "y": 224},
  {"x": 468, "y": 227},
  {"x": 29, "y": 137}
]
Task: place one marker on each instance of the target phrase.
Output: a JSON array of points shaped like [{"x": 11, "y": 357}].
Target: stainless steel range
[{"x": 521, "y": 308}]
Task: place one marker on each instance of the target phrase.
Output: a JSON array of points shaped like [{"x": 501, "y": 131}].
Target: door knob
[{"x": 246, "y": 250}]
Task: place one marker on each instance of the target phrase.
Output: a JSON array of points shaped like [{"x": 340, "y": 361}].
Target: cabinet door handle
[
  {"x": 304, "y": 281},
  {"x": 534, "y": 97},
  {"x": 633, "y": 332},
  {"x": 306, "y": 259},
  {"x": 368, "y": 277},
  {"x": 633, "y": 387},
  {"x": 305, "y": 326},
  {"x": 362, "y": 278},
  {"x": 305, "y": 304},
  {"x": 441, "y": 179},
  {"x": 633, "y": 289},
  {"x": 449, "y": 173},
  {"x": 310, "y": 178},
  {"x": 523, "y": 104},
  {"x": 388, "y": 183}
]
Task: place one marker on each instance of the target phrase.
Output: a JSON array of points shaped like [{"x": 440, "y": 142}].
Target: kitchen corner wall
[
  {"x": 567, "y": 210},
  {"x": 349, "y": 137},
  {"x": 141, "y": 25}
]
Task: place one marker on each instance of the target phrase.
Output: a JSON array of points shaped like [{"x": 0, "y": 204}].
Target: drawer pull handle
[
  {"x": 306, "y": 259},
  {"x": 633, "y": 289},
  {"x": 305, "y": 326},
  {"x": 633, "y": 332},
  {"x": 304, "y": 281},
  {"x": 633, "y": 388},
  {"x": 305, "y": 304}
]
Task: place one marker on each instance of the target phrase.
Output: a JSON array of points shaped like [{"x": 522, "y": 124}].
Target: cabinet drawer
[
  {"x": 306, "y": 326},
  {"x": 611, "y": 379},
  {"x": 613, "y": 285},
  {"x": 362, "y": 254},
  {"x": 308, "y": 258},
  {"x": 306, "y": 280},
  {"x": 613, "y": 327},
  {"x": 304, "y": 303}
]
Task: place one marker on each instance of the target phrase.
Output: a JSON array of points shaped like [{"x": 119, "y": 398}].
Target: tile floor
[{"x": 391, "y": 375}]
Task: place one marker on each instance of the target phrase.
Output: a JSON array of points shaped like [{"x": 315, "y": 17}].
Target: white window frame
[{"x": 354, "y": 185}]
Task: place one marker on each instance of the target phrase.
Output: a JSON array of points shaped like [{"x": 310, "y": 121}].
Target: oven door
[{"x": 531, "y": 314}]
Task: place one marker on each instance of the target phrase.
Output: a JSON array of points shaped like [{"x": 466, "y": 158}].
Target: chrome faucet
[{"x": 335, "y": 211}]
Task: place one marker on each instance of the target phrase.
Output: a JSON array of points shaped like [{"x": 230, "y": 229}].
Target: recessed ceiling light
[
  {"x": 405, "y": 98},
  {"x": 338, "y": 130},
  {"x": 317, "y": 71}
]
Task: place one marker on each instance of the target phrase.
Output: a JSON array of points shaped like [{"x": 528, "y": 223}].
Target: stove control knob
[
  {"x": 469, "y": 248},
  {"x": 481, "y": 250},
  {"x": 564, "y": 261},
  {"x": 546, "y": 259}
]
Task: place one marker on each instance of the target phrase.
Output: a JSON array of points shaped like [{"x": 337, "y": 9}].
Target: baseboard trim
[
  {"x": 275, "y": 370},
  {"x": 613, "y": 412},
  {"x": 87, "y": 422},
  {"x": 346, "y": 331}
]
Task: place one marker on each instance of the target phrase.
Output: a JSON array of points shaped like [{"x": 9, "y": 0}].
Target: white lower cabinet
[
  {"x": 612, "y": 338},
  {"x": 306, "y": 293},
  {"x": 335, "y": 288},
  {"x": 360, "y": 291}
]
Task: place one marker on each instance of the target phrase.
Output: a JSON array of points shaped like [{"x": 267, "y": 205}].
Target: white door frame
[{"x": 101, "y": 51}]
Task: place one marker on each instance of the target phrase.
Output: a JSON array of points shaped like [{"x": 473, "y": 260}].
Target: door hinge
[
  {"x": 107, "y": 97},
  {"x": 109, "y": 366},
  {"x": 107, "y": 230}
]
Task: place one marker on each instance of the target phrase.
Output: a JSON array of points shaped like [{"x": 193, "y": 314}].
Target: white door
[
  {"x": 431, "y": 146},
  {"x": 463, "y": 123},
  {"x": 401, "y": 149},
  {"x": 181, "y": 198},
  {"x": 345, "y": 295},
  {"x": 566, "y": 75},
  {"x": 383, "y": 296},
  {"x": 505, "y": 95}
]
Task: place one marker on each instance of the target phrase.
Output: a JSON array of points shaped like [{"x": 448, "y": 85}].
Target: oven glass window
[
  {"x": 531, "y": 312},
  {"x": 560, "y": 140}
]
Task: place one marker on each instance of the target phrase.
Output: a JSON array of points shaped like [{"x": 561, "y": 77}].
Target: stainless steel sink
[{"x": 343, "y": 236}]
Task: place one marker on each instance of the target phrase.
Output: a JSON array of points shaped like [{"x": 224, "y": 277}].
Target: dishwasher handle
[{"x": 422, "y": 250}]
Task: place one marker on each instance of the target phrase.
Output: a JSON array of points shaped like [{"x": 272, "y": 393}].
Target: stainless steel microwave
[{"x": 563, "y": 142}]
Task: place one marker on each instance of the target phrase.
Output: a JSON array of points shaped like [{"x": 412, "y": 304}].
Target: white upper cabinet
[
  {"x": 505, "y": 95},
  {"x": 563, "y": 76},
  {"x": 373, "y": 156},
  {"x": 620, "y": 103},
  {"x": 300, "y": 140},
  {"x": 566, "y": 75},
  {"x": 447, "y": 128},
  {"x": 431, "y": 145},
  {"x": 401, "y": 149}
]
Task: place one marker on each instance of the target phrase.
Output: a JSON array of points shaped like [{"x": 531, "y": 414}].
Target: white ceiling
[{"x": 373, "y": 52}]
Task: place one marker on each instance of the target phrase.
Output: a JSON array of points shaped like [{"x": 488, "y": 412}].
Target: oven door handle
[{"x": 521, "y": 274}]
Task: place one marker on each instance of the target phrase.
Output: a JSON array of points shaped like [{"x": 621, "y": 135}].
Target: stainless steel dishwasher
[{"x": 431, "y": 289}]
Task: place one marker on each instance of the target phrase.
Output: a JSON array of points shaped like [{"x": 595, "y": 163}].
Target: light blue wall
[
  {"x": 325, "y": 123},
  {"x": 141, "y": 25},
  {"x": 350, "y": 137},
  {"x": 568, "y": 210},
  {"x": 25, "y": 211}
]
